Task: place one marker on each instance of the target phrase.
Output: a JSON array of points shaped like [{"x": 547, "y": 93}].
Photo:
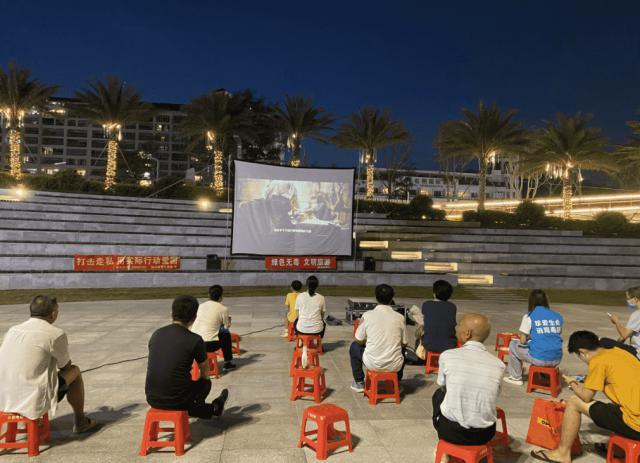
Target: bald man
[{"x": 464, "y": 407}]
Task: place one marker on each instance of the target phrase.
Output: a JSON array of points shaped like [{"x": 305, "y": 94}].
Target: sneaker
[
  {"x": 512, "y": 380},
  {"x": 218, "y": 402},
  {"x": 284, "y": 334},
  {"x": 88, "y": 425},
  {"x": 229, "y": 366},
  {"x": 304, "y": 361},
  {"x": 357, "y": 387}
]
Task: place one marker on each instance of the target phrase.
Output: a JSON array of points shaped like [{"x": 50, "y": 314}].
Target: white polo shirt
[
  {"x": 30, "y": 356},
  {"x": 211, "y": 316},
  {"x": 473, "y": 378},
  {"x": 311, "y": 310},
  {"x": 383, "y": 329}
]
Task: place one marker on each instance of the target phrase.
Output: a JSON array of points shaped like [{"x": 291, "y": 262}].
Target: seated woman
[
  {"x": 540, "y": 340},
  {"x": 310, "y": 313}
]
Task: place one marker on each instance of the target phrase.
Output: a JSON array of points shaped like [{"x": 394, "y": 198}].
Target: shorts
[
  {"x": 609, "y": 416},
  {"x": 63, "y": 387}
]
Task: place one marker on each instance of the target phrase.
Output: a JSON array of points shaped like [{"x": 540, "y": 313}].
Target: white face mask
[{"x": 632, "y": 305}]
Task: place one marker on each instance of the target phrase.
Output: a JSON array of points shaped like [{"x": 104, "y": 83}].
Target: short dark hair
[
  {"x": 442, "y": 290},
  {"x": 583, "y": 340},
  {"x": 312, "y": 284},
  {"x": 43, "y": 306},
  {"x": 634, "y": 292},
  {"x": 184, "y": 309},
  {"x": 538, "y": 297},
  {"x": 384, "y": 294},
  {"x": 215, "y": 292},
  {"x": 296, "y": 285}
]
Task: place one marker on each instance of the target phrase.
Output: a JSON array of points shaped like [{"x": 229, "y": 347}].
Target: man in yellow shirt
[
  {"x": 612, "y": 370},
  {"x": 290, "y": 304}
]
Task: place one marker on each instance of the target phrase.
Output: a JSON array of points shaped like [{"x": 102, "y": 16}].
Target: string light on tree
[
  {"x": 218, "y": 158},
  {"x": 113, "y": 133},
  {"x": 293, "y": 143},
  {"x": 13, "y": 121}
]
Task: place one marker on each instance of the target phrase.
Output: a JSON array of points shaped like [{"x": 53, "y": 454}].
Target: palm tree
[
  {"x": 111, "y": 104},
  {"x": 18, "y": 96},
  {"x": 218, "y": 116},
  {"x": 568, "y": 146},
  {"x": 481, "y": 136},
  {"x": 629, "y": 157},
  {"x": 369, "y": 130},
  {"x": 299, "y": 119}
]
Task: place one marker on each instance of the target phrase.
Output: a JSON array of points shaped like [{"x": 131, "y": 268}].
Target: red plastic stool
[
  {"x": 502, "y": 353},
  {"x": 213, "y": 367},
  {"x": 291, "y": 332},
  {"x": 296, "y": 360},
  {"x": 235, "y": 339},
  {"x": 431, "y": 366},
  {"x": 328, "y": 438},
  {"x": 152, "y": 428},
  {"x": 381, "y": 379},
  {"x": 37, "y": 432},
  {"x": 503, "y": 339},
  {"x": 464, "y": 453},
  {"x": 502, "y": 436},
  {"x": 312, "y": 341},
  {"x": 356, "y": 324},
  {"x": 631, "y": 449},
  {"x": 318, "y": 384},
  {"x": 535, "y": 374}
]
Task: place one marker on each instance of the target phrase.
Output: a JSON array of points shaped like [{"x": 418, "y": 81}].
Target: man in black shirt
[
  {"x": 439, "y": 319},
  {"x": 172, "y": 350}
]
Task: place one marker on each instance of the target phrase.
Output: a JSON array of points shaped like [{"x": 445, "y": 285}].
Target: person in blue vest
[{"x": 540, "y": 340}]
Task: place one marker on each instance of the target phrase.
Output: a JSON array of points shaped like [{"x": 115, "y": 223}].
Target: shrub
[
  {"x": 609, "y": 223},
  {"x": 530, "y": 214},
  {"x": 489, "y": 218}
]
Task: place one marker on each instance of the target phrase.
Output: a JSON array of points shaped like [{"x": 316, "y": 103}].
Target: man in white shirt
[
  {"x": 212, "y": 324},
  {"x": 380, "y": 340},
  {"x": 36, "y": 369},
  {"x": 464, "y": 408}
]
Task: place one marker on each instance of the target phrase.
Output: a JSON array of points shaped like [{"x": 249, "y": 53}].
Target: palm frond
[
  {"x": 369, "y": 130},
  {"x": 19, "y": 93}
]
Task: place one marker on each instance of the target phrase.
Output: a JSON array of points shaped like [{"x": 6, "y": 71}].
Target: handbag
[{"x": 545, "y": 426}]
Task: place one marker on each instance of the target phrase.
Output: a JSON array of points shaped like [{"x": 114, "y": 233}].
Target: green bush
[
  {"x": 530, "y": 214},
  {"x": 609, "y": 223},
  {"x": 489, "y": 218}
]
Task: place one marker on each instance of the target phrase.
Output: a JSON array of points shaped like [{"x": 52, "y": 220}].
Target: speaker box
[
  {"x": 213, "y": 263},
  {"x": 369, "y": 264}
]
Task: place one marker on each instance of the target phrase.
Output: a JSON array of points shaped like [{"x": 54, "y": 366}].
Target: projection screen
[{"x": 292, "y": 211}]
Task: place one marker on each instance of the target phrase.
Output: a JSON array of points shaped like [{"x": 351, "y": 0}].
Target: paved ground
[{"x": 261, "y": 424}]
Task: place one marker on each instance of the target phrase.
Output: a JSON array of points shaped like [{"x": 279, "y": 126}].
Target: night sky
[{"x": 422, "y": 60}]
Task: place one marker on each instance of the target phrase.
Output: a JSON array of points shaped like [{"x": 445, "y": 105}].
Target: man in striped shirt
[{"x": 464, "y": 407}]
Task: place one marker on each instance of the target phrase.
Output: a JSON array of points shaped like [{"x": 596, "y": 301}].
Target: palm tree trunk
[
  {"x": 482, "y": 184},
  {"x": 218, "y": 176},
  {"x": 567, "y": 201},
  {"x": 295, "y": 155},
  {"x": 370, "y": 171},
  {"x": 112, "y": 159},
  {"x": 15, "y": 162}
]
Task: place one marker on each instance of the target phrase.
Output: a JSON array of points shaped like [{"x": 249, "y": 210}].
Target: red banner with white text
[
  {"x": 119, "y": 263},
  {"x": 300, "y": 263}
]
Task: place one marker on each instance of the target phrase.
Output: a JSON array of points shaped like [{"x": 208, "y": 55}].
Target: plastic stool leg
[
  {"x": 178, "y": 436},
  {"x": 12, "y": 431},
  {"x": 33, "y": 439}
]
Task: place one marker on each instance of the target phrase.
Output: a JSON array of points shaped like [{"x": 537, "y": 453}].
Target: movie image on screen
[{"x": 292, "y": 211}]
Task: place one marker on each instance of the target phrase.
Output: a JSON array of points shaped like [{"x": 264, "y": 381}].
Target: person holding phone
[{"x": 630, "y": 331}]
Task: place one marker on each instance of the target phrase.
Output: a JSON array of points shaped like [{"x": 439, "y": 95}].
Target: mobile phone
[
  {"x": 580, "y": 378},
  {"x": 609, "y": 314}
]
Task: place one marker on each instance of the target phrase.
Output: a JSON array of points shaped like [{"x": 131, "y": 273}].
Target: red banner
[
  {"x": 117, "y": 263},
  {"x": 300, "y": 263}
]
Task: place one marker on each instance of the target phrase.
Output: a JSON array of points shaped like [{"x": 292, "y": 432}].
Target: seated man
[
  {"x": 464, "y": 408},
  {"x": 36, "y": 369},
  {"x": 380, "y": 340},
  {"x": 612, "y": 370},
  {"x": 212, "y": 324},
  {"x": 172, "y": 350},
  {"x": 439, "y": 317}
]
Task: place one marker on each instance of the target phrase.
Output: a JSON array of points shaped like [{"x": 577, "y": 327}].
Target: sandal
[
  {"x": 541, "y": 455},
  {"x": 88, "y": 425}
]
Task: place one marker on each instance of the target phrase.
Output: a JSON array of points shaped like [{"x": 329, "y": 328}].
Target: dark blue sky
[{"x": 423, "y": 60}]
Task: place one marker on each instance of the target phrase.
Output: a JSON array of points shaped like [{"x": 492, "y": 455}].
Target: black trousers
[
  {"x": 454, "y": 433},
  {"x": 321, "y": 333},
  {"x": 194, "y": 402},
  {"x": 224, "y": 343}
]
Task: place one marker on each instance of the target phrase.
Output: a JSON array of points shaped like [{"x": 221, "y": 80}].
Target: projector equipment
[
  {"x": 356, "y": 307},
  {"x": 369, "y": 264},
  {"x": 214, "y": 264}
]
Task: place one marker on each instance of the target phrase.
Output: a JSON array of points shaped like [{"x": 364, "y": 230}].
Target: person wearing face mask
[
  {"x": 613, "y": 371},
  {"x": 631, "y": 330}
]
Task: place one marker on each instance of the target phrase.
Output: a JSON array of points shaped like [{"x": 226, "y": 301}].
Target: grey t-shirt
[{"x": 634, "y": 324}]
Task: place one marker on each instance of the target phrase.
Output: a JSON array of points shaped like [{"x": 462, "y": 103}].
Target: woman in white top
[{"x": 310, "y": 310}]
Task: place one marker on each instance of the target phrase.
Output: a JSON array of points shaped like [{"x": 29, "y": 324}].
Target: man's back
[
  {"x": 384, "y": 332},
  {"x": 172, "y": 350},
  {"x": 211, "y": 317},
  {"x": 30, "y": 356},
  {"x": 472, "y": 377},
  {"x": 439, "y": 325}
]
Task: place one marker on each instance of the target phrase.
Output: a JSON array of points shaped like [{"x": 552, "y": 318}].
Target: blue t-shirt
[{"x": 546, "y": 334}]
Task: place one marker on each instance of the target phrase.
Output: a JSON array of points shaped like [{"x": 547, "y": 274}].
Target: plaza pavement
[{"x": 260, "y": 423}]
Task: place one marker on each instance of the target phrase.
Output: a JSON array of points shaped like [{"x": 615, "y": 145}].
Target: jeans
[
  {"x": 519, "y": 354},
  {"x": 224, "y": 343},
  {"x": 453, "y": 432},
  {"x": 356, "y": 352}
]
